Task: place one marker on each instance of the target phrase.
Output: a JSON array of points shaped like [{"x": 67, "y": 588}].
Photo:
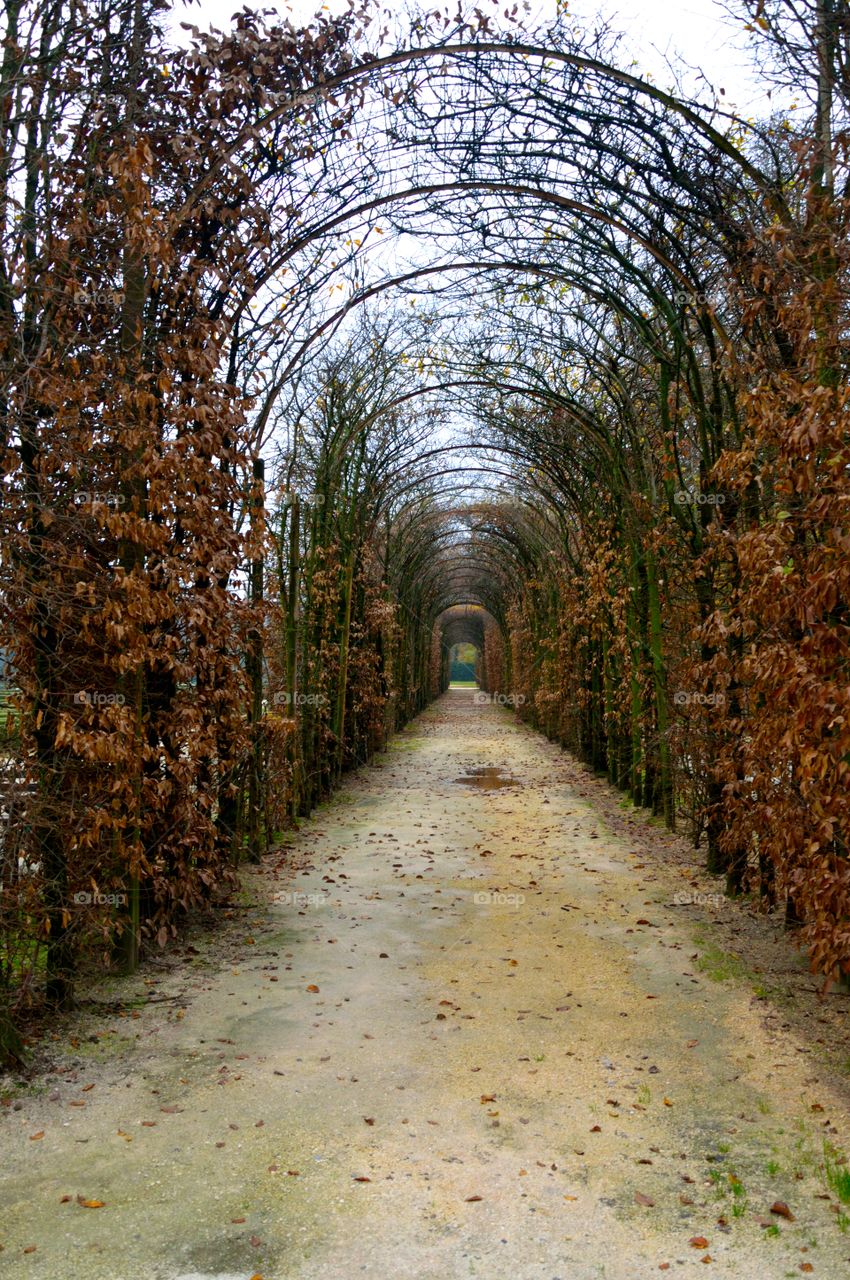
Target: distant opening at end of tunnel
[{"x": 463, "y": 666}]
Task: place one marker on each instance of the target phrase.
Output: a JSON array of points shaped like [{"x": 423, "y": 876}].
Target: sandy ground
[{"x": 456, "y": 1032}]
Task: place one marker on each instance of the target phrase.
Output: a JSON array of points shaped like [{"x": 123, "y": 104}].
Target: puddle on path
[{"x": 487, "y": 778}]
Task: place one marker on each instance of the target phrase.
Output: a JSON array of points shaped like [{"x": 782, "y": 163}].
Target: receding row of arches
[{"x": 374, "y": 352}]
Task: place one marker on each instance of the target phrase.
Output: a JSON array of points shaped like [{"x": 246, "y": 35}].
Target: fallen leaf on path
[
  {"x": 698, "y": 1242},
  {"x": 362, "y": 1178},
  {"x": 90, "y": 1204},
  {"x": 472, "y": 1199},
  {"x": 34, "y": 1137},
  {"x": 312, "y": 987},
  {"x": 488, "y": 1097},
  {"x": 780, "y": 1208},
  {"x": 647, "y": 1201}
]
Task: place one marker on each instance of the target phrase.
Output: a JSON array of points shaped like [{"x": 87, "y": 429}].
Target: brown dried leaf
[{"x": 780, "y": 1208}]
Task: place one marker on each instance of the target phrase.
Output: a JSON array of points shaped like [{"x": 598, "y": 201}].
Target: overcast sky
[{"x": 699, "y": 31}]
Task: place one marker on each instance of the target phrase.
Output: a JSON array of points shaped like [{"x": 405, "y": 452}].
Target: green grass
[
  {"x": 729, "y": 1184},
  {"x": 837, "y": 1173},
  {"x": 721, "y": 966}
]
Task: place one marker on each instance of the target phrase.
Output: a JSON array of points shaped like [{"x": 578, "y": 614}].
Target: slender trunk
[
  {"x": 254, "y": 672},
  {"x": 665, "y": 800}
]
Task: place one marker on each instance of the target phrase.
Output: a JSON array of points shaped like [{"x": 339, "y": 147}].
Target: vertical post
[{"x": 254, "y": 668}]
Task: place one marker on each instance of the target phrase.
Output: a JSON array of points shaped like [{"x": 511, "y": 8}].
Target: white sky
[{"x": 699, "y": 31}]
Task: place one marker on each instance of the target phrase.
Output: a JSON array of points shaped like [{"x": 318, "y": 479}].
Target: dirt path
[{"x": 477, "y": 1046}]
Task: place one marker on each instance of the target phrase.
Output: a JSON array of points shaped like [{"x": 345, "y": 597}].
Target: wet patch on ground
[{"x": 487, "y": 778}]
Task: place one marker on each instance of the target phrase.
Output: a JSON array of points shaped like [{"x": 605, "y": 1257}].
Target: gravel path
[{"x": 465, "y": 1037}]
